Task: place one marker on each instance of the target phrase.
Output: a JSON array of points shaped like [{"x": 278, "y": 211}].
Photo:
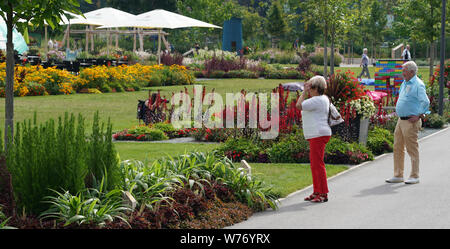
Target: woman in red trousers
[{"x": 317, "y": 131}]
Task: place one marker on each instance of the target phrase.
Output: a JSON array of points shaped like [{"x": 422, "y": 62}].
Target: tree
[
  {"x": 422, "y": 21},
  {"x": 210, "y": 11},
  {"x": 34, "y": 12},
  {"x": 376, "y": 24},
  {"x": 276, "y": 24},
  {"x": 137, "y": 7},
  {"x": 328, "y": 14}
]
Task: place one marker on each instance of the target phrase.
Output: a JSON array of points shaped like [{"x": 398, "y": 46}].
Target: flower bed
[
  {"x": 153, "y": 132},
  {"x": 188, "y": 191},
  {"x": 36, "y": 80},
  {"x": 293, "y": 148}
]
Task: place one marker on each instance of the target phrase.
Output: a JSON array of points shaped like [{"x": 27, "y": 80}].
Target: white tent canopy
[
  {"x": 161, "y": 19},
  {"x": 2, "y": 41},
  {"x": 109, "y": 16},
  {"x": 76, "y": 19}
]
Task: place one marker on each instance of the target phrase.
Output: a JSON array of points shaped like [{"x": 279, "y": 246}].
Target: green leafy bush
[
  {"x": 59, "y": 155},
  {"x": 318, "y": 59},
  {"x": 291, "y": 149},
  {"x": 237, "y": 149},
  {"x": 92, "y": 206},
  {"x": 380, "y": 141},
  {"x": 338, "y": 151},
  {"x": 434, "y": 120}
]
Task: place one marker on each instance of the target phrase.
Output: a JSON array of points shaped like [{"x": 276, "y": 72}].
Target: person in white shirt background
[
  {"x": 317, "y": 131},
  {"x": 406, "y": 55},
  {"x": 364, "y": 64}
]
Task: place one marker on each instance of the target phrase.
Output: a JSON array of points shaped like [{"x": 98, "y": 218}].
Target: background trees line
[{"x": 349, "y": 25}]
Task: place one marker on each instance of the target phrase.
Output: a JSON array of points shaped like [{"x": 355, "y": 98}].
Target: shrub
[
  {"x": 143, "y": 133},
  {"x": 318, "y": 59},
  {"x": 237, "y": 149},
  {"x": 434, "y": 120},
  {"x": 58, "y": 155},
  {"x": 91, "y": 206},
  {"x": 223, "y": 64},
  {"x": 291, "y": 149},
  {"x": 380, "y": 141},
  {"x": 171, "y": 59},
  {"x": 338, "y": 151}
]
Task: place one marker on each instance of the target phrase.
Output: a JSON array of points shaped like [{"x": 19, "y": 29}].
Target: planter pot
[
  {"x": 363, "y": 131},
  {"x": 355, "y": 131}
]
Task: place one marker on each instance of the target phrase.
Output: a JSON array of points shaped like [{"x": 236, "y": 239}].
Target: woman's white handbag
[{"x": 334, "y": 117}]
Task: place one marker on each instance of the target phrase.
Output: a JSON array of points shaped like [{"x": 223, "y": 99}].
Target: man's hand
[{"x": 413, "y": 119}]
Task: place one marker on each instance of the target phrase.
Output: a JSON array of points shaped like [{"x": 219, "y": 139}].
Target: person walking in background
[
  {"x": 317, "y": 131},
  {"x": 295, "y": 45},
  {"x": 364, "y": 64},
  {"x": 406, "y": 55},
  {"x": 412, "y": 105}
]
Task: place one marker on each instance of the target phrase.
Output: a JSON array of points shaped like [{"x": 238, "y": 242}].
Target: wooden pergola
[{"x": 90, "y": 32}]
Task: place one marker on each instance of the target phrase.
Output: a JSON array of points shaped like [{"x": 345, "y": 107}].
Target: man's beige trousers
[{"x": 406, "y": 136}]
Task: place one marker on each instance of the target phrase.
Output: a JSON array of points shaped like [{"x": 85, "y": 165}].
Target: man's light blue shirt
[{"x": 413, "y": 99}]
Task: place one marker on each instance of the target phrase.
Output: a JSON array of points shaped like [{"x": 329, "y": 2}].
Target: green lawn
[
  {"x": 287, "y": 178},
  {"x": 120, "y": 107},
  {"x": 152, "y": 151},
  {"x": 284, "y": 178}
]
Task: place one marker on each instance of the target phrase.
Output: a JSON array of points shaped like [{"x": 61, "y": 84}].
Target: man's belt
[{"x": 405, "y": 118}]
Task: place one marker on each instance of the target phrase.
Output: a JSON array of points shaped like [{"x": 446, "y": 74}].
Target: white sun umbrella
[
  {"x": 160, "y": 19},
  {"x": 70, "y": 18},
  {"x": 109, "y": 16}
]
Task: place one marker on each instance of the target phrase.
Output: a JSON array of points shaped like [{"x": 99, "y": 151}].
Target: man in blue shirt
[{"x": 412, "y": 105}]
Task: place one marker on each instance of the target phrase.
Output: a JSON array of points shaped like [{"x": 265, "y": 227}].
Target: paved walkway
[{"x": 360, "y": 198}]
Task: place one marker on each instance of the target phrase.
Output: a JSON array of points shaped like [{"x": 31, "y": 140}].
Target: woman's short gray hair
[
  {"x": 410, "y": 66},
  {"x": 318, "y": 82}
]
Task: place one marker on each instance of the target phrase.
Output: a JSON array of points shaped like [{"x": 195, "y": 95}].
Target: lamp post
[{"x": 442, "y": 68}]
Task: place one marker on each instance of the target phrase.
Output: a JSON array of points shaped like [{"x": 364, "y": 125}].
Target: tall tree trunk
[
  {"x": 352, "y": 54},
  {"x": 9, "y": 86},
  {"x": 432, "y": 44},
  {"x": 325, "y": 51},
  {"x": 332, "y": 50}
]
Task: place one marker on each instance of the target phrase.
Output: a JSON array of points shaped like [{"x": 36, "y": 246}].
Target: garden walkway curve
[{"x": 360, "y": 198}]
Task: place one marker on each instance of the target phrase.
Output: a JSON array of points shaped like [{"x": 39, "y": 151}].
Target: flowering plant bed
[
  {"x": 141, "y": 133},
  {"x": 189, "y": 191},
  {"x": 36, "y": 80}
]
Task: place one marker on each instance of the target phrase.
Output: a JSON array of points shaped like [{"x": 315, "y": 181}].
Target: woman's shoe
[
  {"x": 320, "y": 198},
  {"x": 311, "y": 197}
]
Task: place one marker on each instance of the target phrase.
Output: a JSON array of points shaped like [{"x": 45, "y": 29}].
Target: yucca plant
[
  {"x": 92, "y": 206},
  {"x": 144, "y": 184},
  {"x": 4, "y": 220},
  {"x": 221, "y": 169}
]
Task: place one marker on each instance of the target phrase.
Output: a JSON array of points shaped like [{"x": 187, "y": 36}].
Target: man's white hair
[{"x": 410, "y": 66}]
